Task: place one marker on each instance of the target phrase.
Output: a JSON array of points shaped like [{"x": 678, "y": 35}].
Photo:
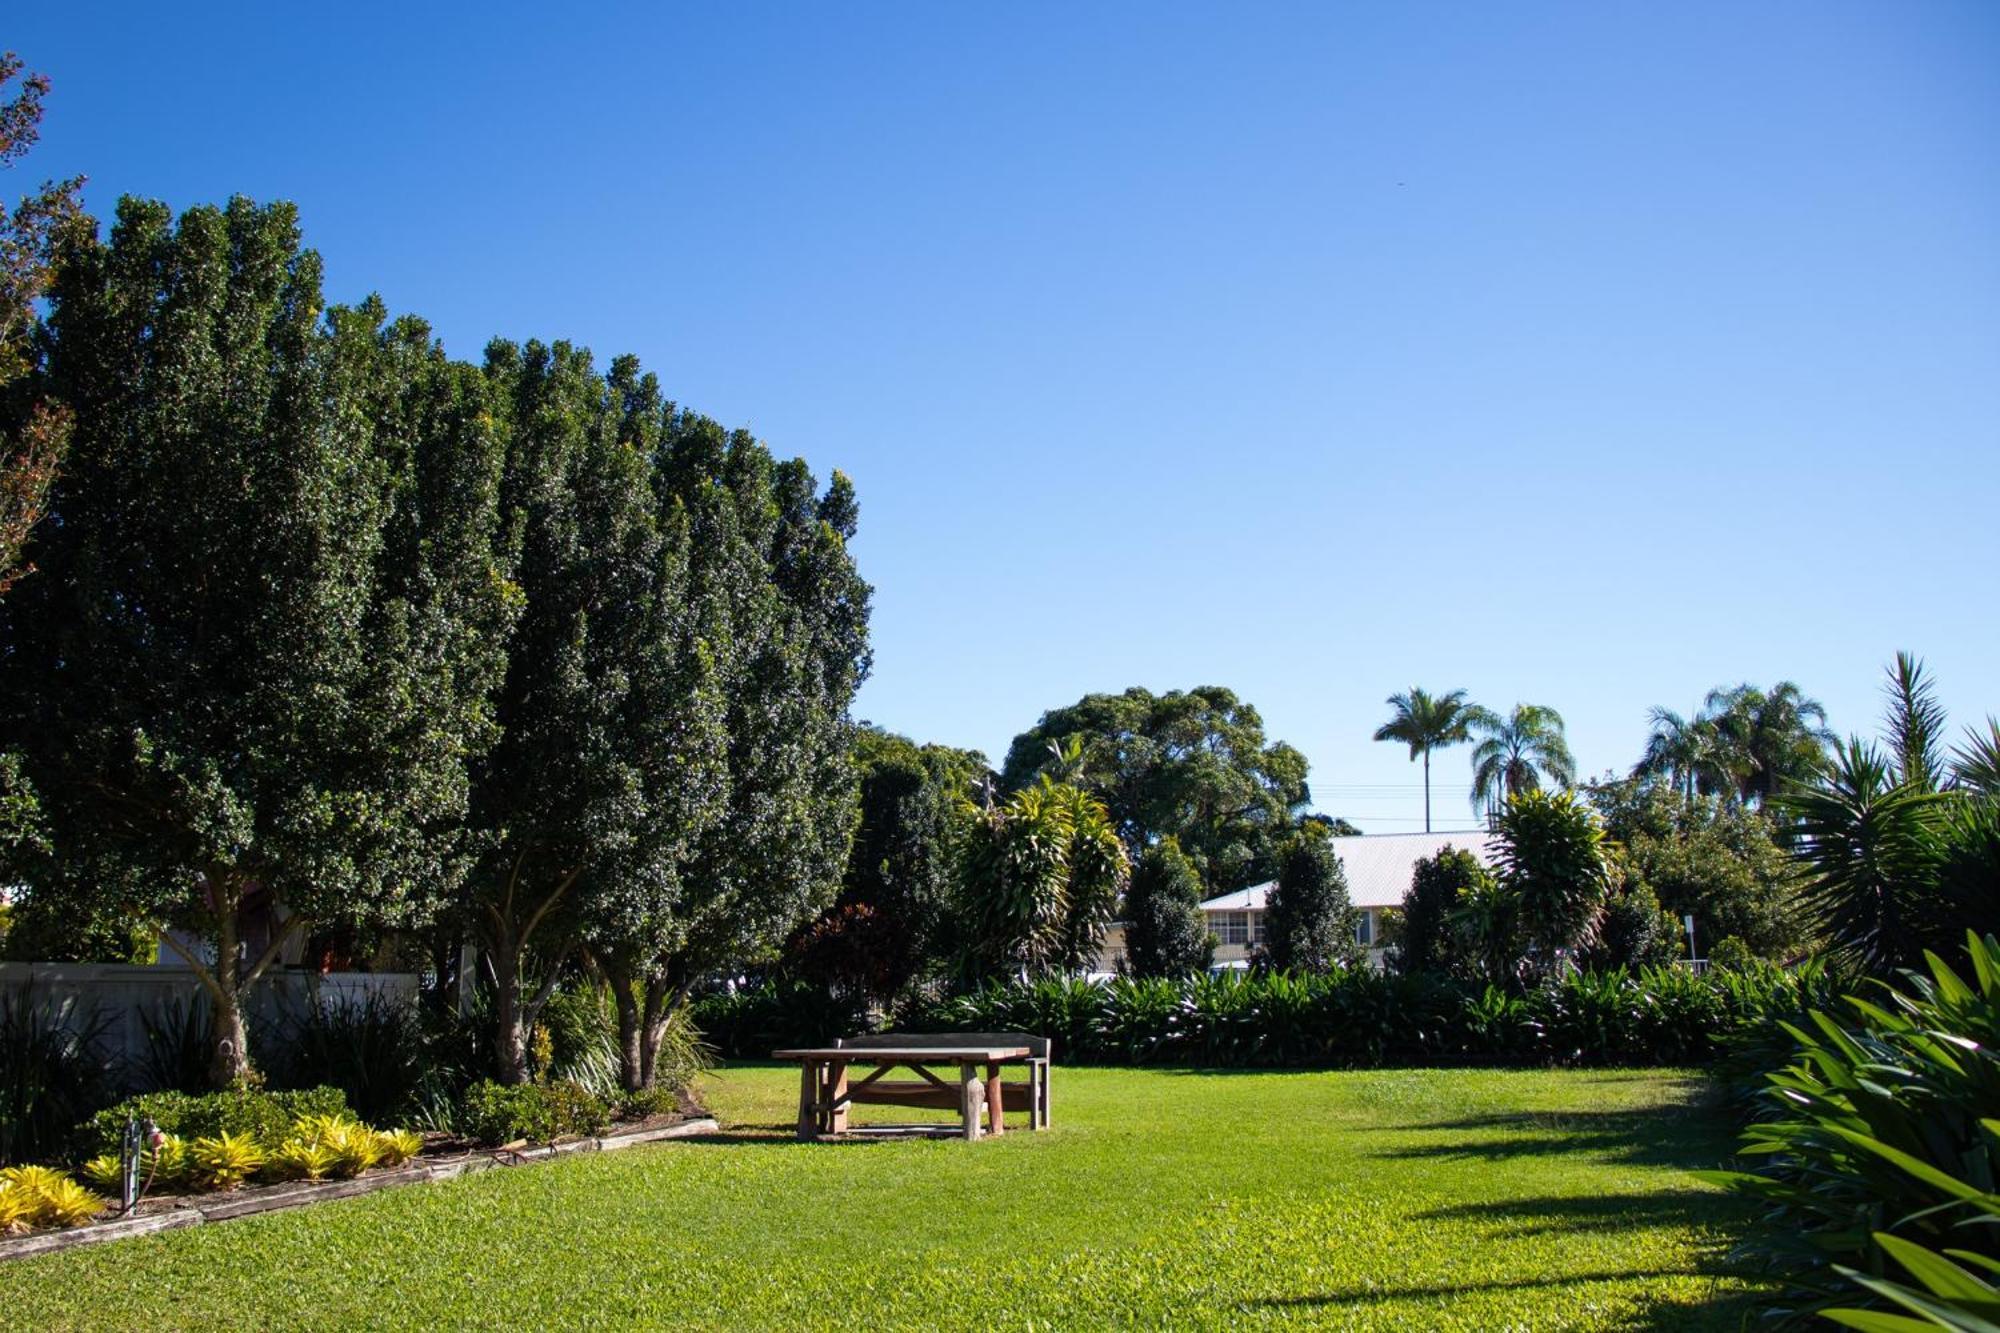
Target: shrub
[
  {"x": 648, "y": 1102},
  {"x": 226, "y": 1160},
  {"x": 399, "y": 1146},
  {"x": 37, "y": 1196},
  {"x": 180, "y": 1039},
  {"x": 505, "y": 1113},
  {"x": 1883, "y": 1121},
  {"x": 1731, "y": 954},
  {"x": 51, "y": 1074},
  {"x": 1166, "y": 934},
  {"x": 301, "y": 1160},
  {"x": 265, "y": 1118},
  {"x": 753, "y": 1022}
]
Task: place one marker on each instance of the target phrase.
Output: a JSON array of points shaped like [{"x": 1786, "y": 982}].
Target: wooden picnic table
[{"x": 826, "y": 1091}]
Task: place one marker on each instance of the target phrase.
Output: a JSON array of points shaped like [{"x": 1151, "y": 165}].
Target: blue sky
[{"x": 1590, "y": 355}]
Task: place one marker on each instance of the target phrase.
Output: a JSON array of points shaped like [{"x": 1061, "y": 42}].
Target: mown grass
[{"x": 1385, "y": 1199}]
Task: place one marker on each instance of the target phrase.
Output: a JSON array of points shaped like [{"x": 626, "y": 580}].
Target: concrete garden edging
[{"x": 227, "y": 1207}]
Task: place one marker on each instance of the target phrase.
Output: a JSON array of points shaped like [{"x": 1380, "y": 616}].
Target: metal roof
[{"x": 1378, "y": 866}]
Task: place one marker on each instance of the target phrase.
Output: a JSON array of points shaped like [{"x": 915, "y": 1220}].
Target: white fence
[{"x": 124, "y": 996}]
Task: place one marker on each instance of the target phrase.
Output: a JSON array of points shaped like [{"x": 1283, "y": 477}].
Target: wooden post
[
  {"x": 996, "y": 1109},
  {"x": 969, "y": 1098},
  {"x": 836, "y": 1088},
  {"x": 808, "y": 1100},
  {"x": 1041, "y": 1080}
]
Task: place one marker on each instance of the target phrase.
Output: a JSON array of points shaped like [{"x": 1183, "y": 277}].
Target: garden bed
[{"x": 446, "y": 1161}]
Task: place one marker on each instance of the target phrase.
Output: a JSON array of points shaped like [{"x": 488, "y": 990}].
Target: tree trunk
[
  {"x": 229, "y": 1057},
  {"x": 1427, "y": 791},
  {"x": 631, "y": 1043},
  {"x": 510, "y": 1033},
  {"x": 662, "y": 1002}
]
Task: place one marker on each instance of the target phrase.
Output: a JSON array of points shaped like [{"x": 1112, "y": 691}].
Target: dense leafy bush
[
  {"x": 752, "y": 1022},
  {"x": 265, "y": 1118},
  {"x": 51, "y": 1074},
  {"x": 537, "y": 1112},
  {"x": 1884, "y": 1120}
]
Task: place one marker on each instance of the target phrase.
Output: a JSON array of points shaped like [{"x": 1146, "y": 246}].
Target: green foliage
[
  {"x": 290, "y": 722},
  {"x": 1517, "y": 753},
  {"x": 496, "y": 1113},
  {"x": 1165, "y": 932},
  {"x": 1730, "y": 954},
  {"x": 751, "y": 1022},
  {"x": 1190, "y": 764},
  {"x": 1041, "y": 878},
  {"x": 1551, "y": 862},
  {"x": 890, "y": 923},
  {"x": 1308, "y": 921},
  {"x": 1633, "y": 932},
  {"x": 1715, "y": 858},
  {"x": 1438, "y": 884},
  {"x": 1885, "y": 1118},
  {"x": 51, "y": 1073},
  {"x": 264, "y": 1118},
  {"x": 369, "y": 1048}
]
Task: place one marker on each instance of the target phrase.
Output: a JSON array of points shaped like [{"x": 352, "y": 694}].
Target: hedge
[{"x": 1347, "y": 1017}]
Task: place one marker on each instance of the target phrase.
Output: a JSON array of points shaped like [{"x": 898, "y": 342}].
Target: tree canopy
[
  {"x": 1166, "y": 934},
  {"x": 1191, "y": 764},
  {"x": 1427, "y": 722},
  {"x": 1309, "y": 921}
]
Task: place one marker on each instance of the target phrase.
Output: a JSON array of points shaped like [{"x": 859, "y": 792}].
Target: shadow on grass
[
  {"x": 1686, "y": 1135},
  {"x": 1518, "y": 1218},
  {"x": 1725, "y": 1311}
]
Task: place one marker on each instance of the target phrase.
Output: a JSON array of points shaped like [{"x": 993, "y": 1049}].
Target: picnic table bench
[{"x": 826, "y": 1091}]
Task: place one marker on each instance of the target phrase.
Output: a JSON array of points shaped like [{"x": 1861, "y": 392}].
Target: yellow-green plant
[
  {"x": 399, "y": 1145},
  {"x": 17, "y": 1209},
  {"x": 355, "y": 1149},
  {"x": 302, "y": 1159},
  {"x": 34, "y": 1196},
  {"x": 66, "y": 1203},
  {"x": 106, "y": 1171},
  {"x": 168, "y": 1165},
  {"x": 226, "y": 1161}
]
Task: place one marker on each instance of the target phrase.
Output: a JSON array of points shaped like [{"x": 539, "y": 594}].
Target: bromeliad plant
[
  {"x": 39, "y": 1196},
  {"x": 1884, "y": 1124}
]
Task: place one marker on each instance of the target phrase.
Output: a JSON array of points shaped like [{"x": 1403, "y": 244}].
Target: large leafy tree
[
  {"x": 1165, "y": 932},
  {"x": 253, "y": 668},
  {"x": 1309, "y": 921},
  {"x": 1427, "y": 722},
  {"x": 1517, "y": 754},
  {"x": 782, "y": 610},
  {"x": 609, "y": 762},
  {"x": 1551, "y": 862},
  {"x": 1712, "y": 857},
  {"x": 892, "y": 919},
  {"x": 1191, "y": 764},
  {"x": 1043, "y": 871}
]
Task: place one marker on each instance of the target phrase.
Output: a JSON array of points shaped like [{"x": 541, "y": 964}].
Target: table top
[{"x": 862, "y": 1055}]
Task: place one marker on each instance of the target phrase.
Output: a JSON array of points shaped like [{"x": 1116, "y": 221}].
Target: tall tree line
[{"x": 330, "y": 629}]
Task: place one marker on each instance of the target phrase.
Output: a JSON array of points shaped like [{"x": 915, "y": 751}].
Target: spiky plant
[
  {"x": 399, "y": 1145},
  {"x": 301, "y": 1160},
  {"x": 106, "y": 1171},
  {"x": 17, "y": 1209},
  {"x": 67, "y": 1204},
  {"x": 226, "y": 1161}
]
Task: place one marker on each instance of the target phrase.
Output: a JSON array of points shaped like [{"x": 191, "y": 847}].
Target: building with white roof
[{"x": 1378, "y": 866}]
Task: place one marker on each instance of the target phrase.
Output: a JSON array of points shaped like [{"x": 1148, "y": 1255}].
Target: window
[
  {"x": 1257, "y": 927},
  {"x": 1233, "y": 927},
  {"x": 1364, "y": 929}
]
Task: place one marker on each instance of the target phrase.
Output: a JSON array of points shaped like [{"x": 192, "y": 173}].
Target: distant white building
[{"x": 1378, "y": 867}]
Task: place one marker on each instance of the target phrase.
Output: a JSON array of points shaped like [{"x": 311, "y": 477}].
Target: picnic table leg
[
  {"x": 970, "y": 1095},
  {"x": 996, "y": 1110},
  {"x": 808, "y": 1100},
  {"x": 836, "y": 1088},
  {"x": 1041, "y": 1081}
]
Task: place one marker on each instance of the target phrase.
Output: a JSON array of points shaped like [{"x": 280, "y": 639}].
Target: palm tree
[
  {"x": 1769, "y": 739},
  {"x": 1425, "y": 723},
  {"x": 1517, "y": 752},
  {"x": 1683, "y": 752}
]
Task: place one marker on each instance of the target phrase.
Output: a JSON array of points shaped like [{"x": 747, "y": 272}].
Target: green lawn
[{"x": 1397, "y": 1199}]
